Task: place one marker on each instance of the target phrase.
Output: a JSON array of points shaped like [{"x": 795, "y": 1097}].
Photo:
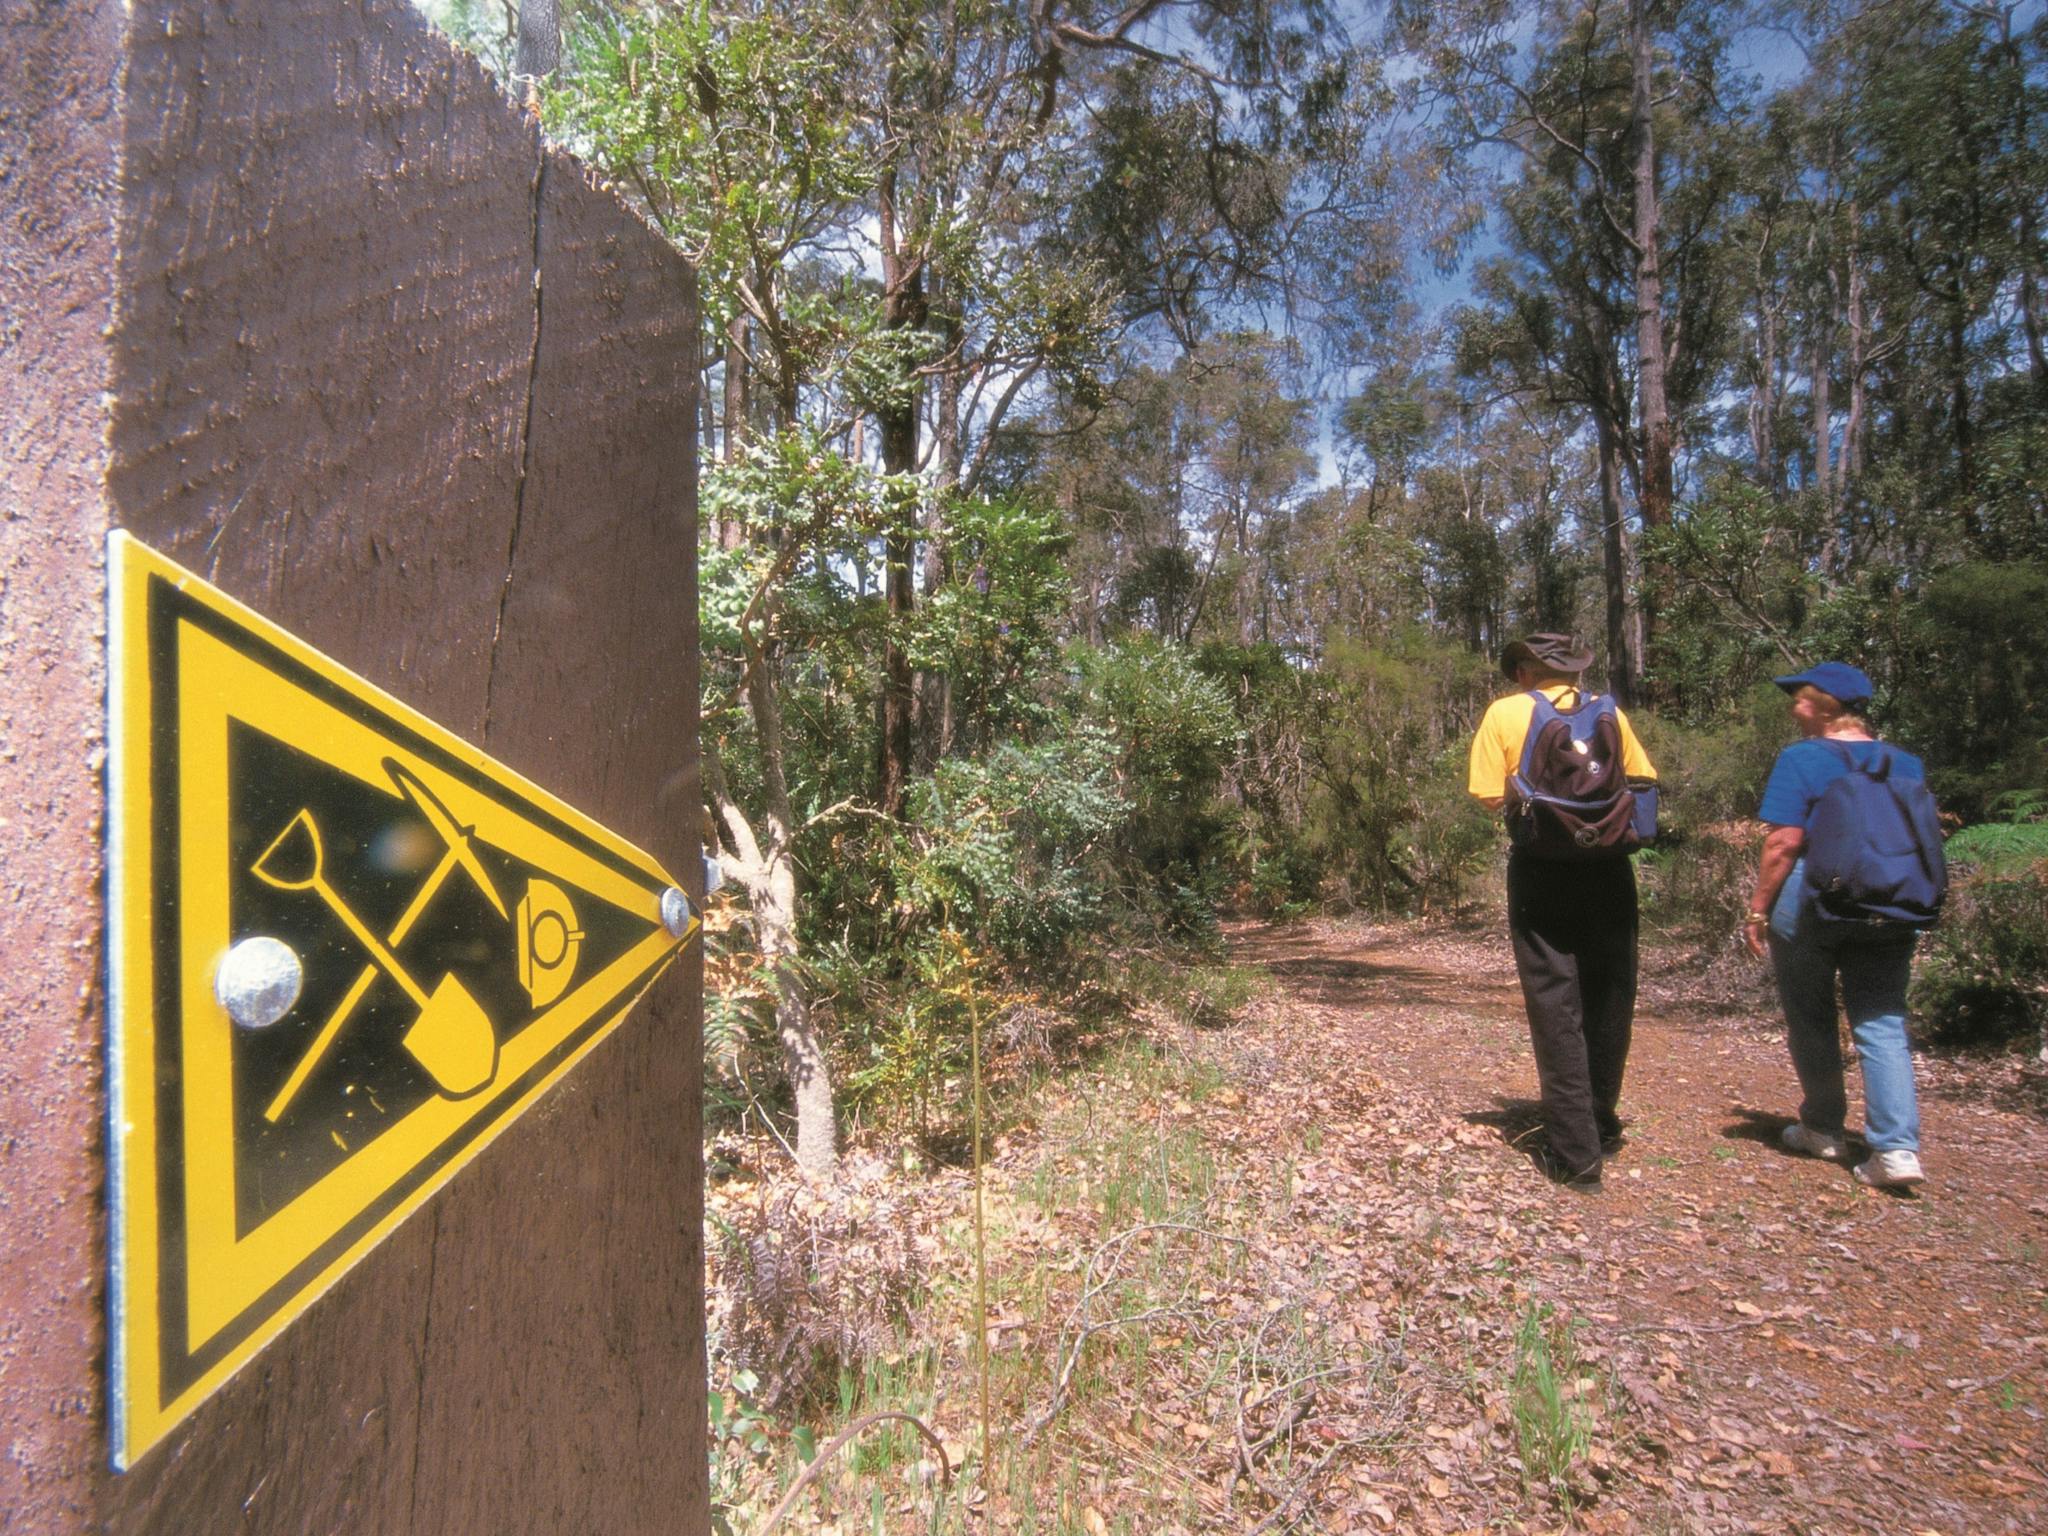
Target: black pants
[{"x": 1574, "y": 931}]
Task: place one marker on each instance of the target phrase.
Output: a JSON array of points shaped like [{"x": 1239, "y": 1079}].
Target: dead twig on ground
[
  {"x": 1093, "y": 1284},
  {"x": 839, "y": 1442}
]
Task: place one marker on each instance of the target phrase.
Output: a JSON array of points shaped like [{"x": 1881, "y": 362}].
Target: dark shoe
[{"x": 1585, "y": 1180}]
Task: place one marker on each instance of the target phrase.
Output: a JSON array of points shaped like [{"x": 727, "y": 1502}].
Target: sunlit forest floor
[{"x": 1299, "y": 1273}]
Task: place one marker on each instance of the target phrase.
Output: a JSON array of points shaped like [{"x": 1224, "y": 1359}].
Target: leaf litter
[{"x": 1347, "y": 1301}]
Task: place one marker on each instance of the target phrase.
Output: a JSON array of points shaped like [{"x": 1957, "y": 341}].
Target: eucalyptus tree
[
  {"x": 1596, "y": 135},
  {"x": 896, "y": 208}
]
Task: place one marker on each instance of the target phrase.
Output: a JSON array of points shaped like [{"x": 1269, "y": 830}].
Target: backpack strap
[
  {"x": 1545, "y": 710},
  {"x": 1879, "y": 768}
]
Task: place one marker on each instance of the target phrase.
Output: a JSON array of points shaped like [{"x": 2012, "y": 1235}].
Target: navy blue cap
[{"x": 1836, "y": 678}]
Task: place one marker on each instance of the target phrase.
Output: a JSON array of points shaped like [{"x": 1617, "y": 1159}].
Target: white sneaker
[
  {"x": 1891, "y": 1170},
  {"x": 1804, "y": 1139}
]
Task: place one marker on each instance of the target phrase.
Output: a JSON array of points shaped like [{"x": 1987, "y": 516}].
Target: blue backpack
[
  {"x": 1873, "y": 848},
  {"x": 1570, "y": 798}
]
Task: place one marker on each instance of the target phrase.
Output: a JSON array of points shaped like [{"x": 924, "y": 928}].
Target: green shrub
[
  {"x": 1973, "y": 701},
  {"x": 1698, "y": 877},
  {"x": 1011, "y": 846},
  {"x": 1982, "y": 975},
  {"x": 1351, "y": 781},
  {"x": 2009, "y": 845},
  {"x": 1175, "y": 730}
]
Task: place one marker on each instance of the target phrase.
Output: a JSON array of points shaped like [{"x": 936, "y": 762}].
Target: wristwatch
[{"x": 1754, "y": 918}]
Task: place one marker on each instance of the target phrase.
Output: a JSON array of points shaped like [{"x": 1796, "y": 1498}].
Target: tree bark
[
  {"x": 1653, "y": 399},
  {"x": 1849, "y": 468},
  {"x": 1763, "y": 399},
  {"x": 735, "y": 386},
  {"x": 538, "y": 53},
  {"x": 1959, "y": 401},
  {"x": 903, "y": 309},
  {"x": 2024, "y": 197},
  {"x": 1819, "y": 393},
  {"x": 764, "y": 865},
  {"x": 730, "y": 534},
  {"x": 1621, "y": 657}
]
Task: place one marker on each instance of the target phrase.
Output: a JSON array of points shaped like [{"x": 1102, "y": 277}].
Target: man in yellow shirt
[{"x": 1572, "y": 921}]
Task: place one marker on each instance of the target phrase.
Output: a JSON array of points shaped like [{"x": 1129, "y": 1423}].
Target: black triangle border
[{"x": 167, "y": 606}]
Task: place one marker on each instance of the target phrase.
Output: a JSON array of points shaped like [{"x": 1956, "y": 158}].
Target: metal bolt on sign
[
  {"x": 258, "y": 980},
  {"x": 675, "y": 912}
]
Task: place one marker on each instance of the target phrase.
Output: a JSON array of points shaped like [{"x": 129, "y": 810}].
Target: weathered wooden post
[{"x": 290, "y": 294}]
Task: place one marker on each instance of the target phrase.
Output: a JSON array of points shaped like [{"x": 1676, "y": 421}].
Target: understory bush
[
  {"x": 1350, "y": 784},
  {"x": 812, "y": 1284},
  {"x": 1013, "y": 847},
  {"x": 1175, "y": 732},
  {"x": 1696, "y": 880},
  {"x": 1982, "y": 975}
]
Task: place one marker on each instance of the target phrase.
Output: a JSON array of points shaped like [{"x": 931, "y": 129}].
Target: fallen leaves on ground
[{"x": 1337, "y": 1336}]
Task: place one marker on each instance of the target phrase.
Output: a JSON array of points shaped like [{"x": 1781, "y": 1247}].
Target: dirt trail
[{"x": 1792, "y": 1352}]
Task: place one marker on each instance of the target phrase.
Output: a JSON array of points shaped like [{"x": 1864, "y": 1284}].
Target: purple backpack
[{"x": 1571, "y": 799}]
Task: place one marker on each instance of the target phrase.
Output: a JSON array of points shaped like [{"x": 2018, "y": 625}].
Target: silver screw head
[
  {"x": 714, "y": 876},
  {"x": 675, "y": 912},
  {"x": 257, "y": 981}
]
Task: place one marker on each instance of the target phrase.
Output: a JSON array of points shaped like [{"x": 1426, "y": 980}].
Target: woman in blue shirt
[{"x": 1808, "y": 952}]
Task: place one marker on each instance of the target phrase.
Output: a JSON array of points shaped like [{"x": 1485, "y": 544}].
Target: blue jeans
[{"x": 1808, "y": 952}]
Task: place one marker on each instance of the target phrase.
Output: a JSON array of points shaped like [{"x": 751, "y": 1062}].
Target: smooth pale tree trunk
[
  {"x": 1819, "y": 392},
  {"x": 1959, "y": 402},
  {"x": 730, "y": 533},
  {"x": 1841, "y": 552},
  {"x": 1763, "y": 399},
  {"x": 762, "y": 861},
  {"x": 903, "y": 308},
  {"x": 736, "y": 382},
  {"x": 935, "y": 689},
  {"x": 2024, "y": 198},
  {"x": 771, "y": 894}
]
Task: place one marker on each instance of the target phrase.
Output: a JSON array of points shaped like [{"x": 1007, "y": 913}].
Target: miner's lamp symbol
[{"x": 549, "y": 941}]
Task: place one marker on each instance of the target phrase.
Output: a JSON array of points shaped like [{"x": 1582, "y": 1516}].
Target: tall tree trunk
[
  {"x": 935, "y": 689},
  {"x": 707, "y": 411},
  {"x": 538, "y": 52},
  {"x": 1849, "y": 467},
  {"x": 772, "y": 899},
  {"x": 1653, "y": 401},
  {"x": 730, "y": 533},
  {"x": 1959, "y": 402},
  {"x": 735, "y": 386},
  {"x": 903, "y": 309},
  {"x": 1622, "y": 660},
  {"x": 1763, "y": 398},
  {"x": 764, "y": 865},
  {"x": 2024, "y": 196},
  {"x": 2030, "y": 293},
  {"x": 1822, "y": 366}
]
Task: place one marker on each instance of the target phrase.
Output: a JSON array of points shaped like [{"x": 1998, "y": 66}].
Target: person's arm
[
  {"x": 1635, "y": 762},
  {"x": 1487, "y": 779},
  {"x": 1782, "y": 847}
]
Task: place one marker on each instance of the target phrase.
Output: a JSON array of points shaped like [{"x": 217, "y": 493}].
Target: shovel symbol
[{"x": 452, "y": 1038}]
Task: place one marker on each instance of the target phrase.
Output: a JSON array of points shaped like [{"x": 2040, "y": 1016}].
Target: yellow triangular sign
[{"x": 348, "y": 949}]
